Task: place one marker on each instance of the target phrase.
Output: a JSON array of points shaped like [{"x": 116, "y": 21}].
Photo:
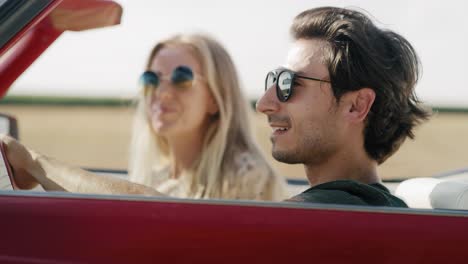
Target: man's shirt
[{"x": 351, "y": 193}]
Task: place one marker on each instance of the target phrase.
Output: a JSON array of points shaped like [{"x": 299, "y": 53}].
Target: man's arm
[{"x": 31, "y": 168}]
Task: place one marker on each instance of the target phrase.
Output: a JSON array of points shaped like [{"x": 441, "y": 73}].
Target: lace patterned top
[{"x": 254, "y": 181}]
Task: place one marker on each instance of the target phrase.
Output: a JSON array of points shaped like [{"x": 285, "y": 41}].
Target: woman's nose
[
  {"x": 268, "y": 103},
  {"x": 164, "y": 91}
]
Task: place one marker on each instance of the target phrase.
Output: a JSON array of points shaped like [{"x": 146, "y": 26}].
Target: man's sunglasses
[
  {"x": 182, "y": 77},
  {"x": 284, "y": 81}
]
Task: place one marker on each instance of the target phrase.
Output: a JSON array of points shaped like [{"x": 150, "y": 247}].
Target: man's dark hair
[{"x": 358, "y": 54}]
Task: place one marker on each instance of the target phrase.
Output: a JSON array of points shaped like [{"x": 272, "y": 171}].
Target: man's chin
[{"x": 285, "y": 157}]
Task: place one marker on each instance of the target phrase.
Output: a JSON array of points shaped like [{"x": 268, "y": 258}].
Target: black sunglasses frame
[{"x": 294, "y": 75}]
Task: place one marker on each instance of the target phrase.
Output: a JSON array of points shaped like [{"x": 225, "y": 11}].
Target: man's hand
[{"x": 21, "y": 161}]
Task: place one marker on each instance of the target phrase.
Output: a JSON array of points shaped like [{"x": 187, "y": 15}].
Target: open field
[{"x": 98, "y": 137}]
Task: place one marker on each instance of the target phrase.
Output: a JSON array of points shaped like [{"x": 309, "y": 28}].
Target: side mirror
[
  {"x": 85, "y": 14},
  {"x": 9, "y": 125}
]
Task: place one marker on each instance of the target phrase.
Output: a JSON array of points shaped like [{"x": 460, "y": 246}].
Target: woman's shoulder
[
  {"x": 254, "y": 168},
  {"x": 256, "y": 175},
  {"x": 247, "y": 163},
  {"x": 159, "y": 175}
]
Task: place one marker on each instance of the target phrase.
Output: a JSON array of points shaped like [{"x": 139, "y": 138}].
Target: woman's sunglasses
[
  {"x": 284, "y": 81},
  {"x": 182, "y": 77}
]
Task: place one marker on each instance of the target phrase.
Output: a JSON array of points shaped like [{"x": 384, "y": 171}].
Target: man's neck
[{"x": 349, "y": 166}]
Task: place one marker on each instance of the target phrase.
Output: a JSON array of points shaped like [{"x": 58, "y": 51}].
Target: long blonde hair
[{"x": 227, "y": 136}]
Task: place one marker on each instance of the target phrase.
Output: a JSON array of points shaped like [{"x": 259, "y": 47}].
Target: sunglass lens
[
  {"x": 149, "y": 81},
  {"x": 270, "y": 80},
  {"x": 182, "y": 77},
  {"x": 284, "y": 85}
]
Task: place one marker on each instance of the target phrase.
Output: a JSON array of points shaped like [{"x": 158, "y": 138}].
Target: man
[{"x": 343, "y": 104}]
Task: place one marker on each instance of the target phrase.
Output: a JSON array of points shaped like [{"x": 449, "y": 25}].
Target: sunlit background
[{"x": 106, "y": 62}]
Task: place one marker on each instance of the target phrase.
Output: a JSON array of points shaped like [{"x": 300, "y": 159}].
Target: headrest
[{"x": 434, "y": 193}]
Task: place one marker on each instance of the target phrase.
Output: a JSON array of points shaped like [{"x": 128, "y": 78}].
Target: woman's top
[{"x": 253, "y": 181}]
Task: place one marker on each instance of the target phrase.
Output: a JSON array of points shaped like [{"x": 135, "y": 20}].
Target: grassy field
[{"x": 94, "y": 136}]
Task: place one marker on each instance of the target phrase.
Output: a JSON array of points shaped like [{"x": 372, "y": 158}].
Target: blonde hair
[{"x": 227, "y": 136}]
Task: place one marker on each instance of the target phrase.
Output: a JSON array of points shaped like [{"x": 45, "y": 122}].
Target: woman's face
[{"x": 179, "y": 110}]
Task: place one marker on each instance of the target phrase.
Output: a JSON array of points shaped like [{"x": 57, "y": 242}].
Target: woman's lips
[{"x": 162, "y": 110}]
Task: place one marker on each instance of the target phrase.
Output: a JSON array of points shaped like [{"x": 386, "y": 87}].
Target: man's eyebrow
[
  {"x": 303, "y": 73},
  {"x": 300, "y": 72},
  {"x": 286, "y": 68}
]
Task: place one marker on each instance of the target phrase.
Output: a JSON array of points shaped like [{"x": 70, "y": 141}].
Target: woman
[{"x": 191, "y": 136}]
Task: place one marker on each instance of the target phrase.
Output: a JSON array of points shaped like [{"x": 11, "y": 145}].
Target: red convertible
[{"x": 39, "y": 227}]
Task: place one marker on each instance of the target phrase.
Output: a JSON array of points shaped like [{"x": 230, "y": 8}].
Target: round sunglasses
[
  {"x": 284, "y": 81},
  {"x": 182, "y": 77}
]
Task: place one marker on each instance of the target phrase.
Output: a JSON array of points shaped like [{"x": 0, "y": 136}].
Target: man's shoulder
[{"x": 350, "y": 193}]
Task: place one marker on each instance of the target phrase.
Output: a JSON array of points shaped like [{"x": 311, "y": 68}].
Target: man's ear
[{"x": 360, "y": 103}]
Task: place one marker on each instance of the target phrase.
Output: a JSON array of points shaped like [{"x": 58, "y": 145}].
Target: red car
[{"x": 76, "y": 228}]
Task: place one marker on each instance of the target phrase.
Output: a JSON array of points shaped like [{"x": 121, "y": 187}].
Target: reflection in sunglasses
[{"x": 283, "y": 82}]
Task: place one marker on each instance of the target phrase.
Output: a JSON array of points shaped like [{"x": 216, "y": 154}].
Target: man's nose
[{"x": 268, "y": 103}]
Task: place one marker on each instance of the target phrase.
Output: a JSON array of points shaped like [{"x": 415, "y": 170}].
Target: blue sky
[{"x": 107, "y": 62}]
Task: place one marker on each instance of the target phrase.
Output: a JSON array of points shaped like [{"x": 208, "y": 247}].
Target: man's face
[{"x": 306, "y": 128}]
